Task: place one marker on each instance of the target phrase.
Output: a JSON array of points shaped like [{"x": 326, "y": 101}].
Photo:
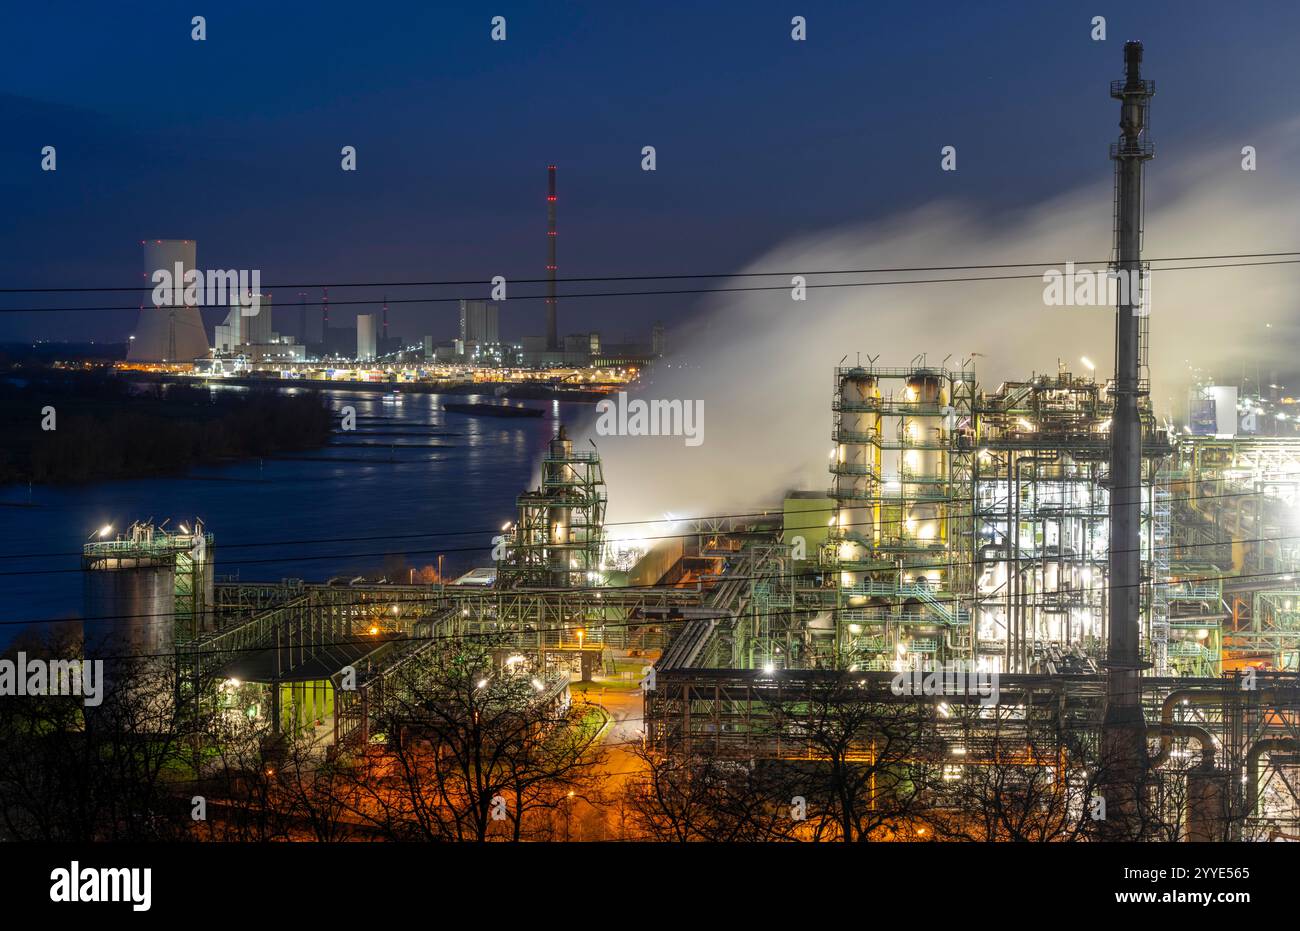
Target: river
[{"x": 412, "y": 480}]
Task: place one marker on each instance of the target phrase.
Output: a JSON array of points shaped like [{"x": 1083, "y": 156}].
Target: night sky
[{"x": 235, "y": 141}]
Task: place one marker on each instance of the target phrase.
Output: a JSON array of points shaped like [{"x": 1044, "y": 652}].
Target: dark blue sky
[{"x": 235, "y": 141}]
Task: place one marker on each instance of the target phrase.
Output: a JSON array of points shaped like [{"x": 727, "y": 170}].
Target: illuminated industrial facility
[{"x": 1131, "y": 589}]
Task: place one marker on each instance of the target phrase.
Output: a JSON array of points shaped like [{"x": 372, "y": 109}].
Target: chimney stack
[
  {"x": 1124, "y": 731},
  {"x": 552, "y": 338}
]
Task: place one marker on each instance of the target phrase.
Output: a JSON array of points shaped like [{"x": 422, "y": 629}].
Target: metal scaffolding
[
  {"x": 1041, "y": 501},
  {"x": 557, "y": 541},
  {"x": 901, "y": 536},
  {"x": 972, "y": 526}
]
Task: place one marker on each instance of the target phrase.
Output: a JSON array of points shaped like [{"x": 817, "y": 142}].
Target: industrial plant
[
  {"x": 171, "y": 337},
  {"x": 1039, "y": 579}
]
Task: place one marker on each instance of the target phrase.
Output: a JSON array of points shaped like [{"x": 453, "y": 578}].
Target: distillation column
[
  {"x": 855, "y": 468},
  {"x": 855, "y": 465},
  {"x": 561, "y": 476},
  {"x": 924, "y": 471}
]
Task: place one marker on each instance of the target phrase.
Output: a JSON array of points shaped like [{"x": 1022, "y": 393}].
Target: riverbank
[
  {"x": 82, "y": 427},
  {"x": 509, "y": 390}
]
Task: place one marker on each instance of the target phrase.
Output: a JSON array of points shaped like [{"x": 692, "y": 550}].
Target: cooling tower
[{"x": 173, "y": 332}]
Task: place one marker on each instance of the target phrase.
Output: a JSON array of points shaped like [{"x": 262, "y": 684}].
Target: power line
[
  {"x": 767, "y": 512},
  {"x": 673, "y": 292},
  {"x": 476, "y": 549},
  {"x": 681, "y": 276}
]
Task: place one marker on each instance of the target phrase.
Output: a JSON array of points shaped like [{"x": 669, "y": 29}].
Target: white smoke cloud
[{"x": 762, "y": 363}]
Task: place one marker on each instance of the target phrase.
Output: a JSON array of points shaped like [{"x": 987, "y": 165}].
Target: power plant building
[
  {"x": 479, "y": 323},
  {"x": 246, "y": 325},
  {"x": 367, "y": 338}
]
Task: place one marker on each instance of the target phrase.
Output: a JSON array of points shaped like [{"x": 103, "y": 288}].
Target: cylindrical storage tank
[
  {"x": 130, "y": 604},
  {"x": 856, "y": 468}
]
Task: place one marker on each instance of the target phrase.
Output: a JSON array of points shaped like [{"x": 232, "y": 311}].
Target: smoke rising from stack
[{"x": 762, "y": 363}]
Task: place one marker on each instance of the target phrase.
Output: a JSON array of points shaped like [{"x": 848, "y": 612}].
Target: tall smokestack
[
  {"x": 385, "y": 320},
  {"x": 1124, "y": 735},
  {"x": 552, "y": 337}
]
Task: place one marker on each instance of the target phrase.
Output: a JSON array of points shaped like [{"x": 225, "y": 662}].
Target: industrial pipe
[
  {"x": 1258, "y": 749},
  {"x": 1015, "y": 598},
  {"x": 1168, "y": 729}
]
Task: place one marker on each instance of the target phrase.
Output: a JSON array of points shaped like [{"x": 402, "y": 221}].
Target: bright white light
[
  {"x": 1088, "y": 362},
  {"x": 768, "y": 669},
  {"x": 105, "y": 530},
  {"x": 482, "y": 683}
]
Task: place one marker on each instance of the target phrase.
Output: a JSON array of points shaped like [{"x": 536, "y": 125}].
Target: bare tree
[
  {"x": 1033, "y": 785},
  {"x": 475, "y": 749},
  {"x": 868, "y": 763},
  {"x": 681, "y": 798},
  {"x": 72, "y": 771}
]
